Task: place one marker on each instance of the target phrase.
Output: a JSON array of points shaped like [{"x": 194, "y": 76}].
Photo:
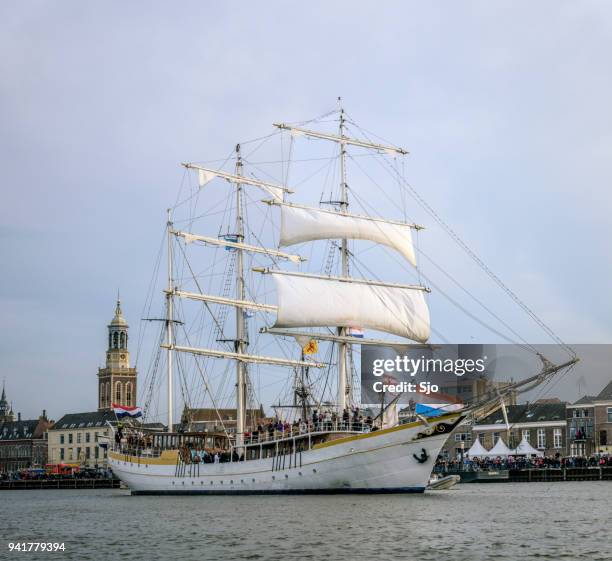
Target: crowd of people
[
  {"x": 351, "y": 420},
  {"x": 520, "y": 462}
]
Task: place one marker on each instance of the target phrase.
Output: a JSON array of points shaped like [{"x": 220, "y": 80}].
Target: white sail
[
  {"x": 301, "y": 224},
  {"x": 314, "y": 302},
  {"x": 206, "y": 175}
]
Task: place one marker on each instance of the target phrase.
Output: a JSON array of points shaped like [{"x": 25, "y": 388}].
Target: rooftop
[
  {"x": 21, "y": 430},
  {"x": 85, "y": 420},
  {"x": 527, "y": 413}
]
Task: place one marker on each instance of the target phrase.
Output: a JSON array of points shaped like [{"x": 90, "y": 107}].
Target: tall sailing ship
[{"x": 311, "y": 445}]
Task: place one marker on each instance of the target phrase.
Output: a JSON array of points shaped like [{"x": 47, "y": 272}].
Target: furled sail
[
  {"x": 206, "y": 175},
  {"x": 305, "y": 301},
  {"x": 301, "y": 224}
]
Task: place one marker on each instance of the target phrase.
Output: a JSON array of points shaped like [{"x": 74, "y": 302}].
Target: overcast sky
[{"x": 505, "y": 107}]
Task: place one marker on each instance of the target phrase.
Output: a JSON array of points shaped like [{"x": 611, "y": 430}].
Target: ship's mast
[
  {"x": 170, "y": 324},
  {"x": 240, "y": 344},
  {"x": 342, "y": 346}
]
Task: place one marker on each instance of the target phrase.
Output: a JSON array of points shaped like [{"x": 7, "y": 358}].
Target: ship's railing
[
  {"x": 274, "y": 434},
  {"x": 137, "y": 446},
  {"x": 136, "y": 450}
]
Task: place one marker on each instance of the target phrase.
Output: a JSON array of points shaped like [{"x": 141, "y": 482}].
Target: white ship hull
[{"x": 394, "y": 460}]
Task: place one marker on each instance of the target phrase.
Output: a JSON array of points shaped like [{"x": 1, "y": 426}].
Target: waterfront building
[
  {"x": 543, "y": 425},
  {"x": 23, "y": 443},
  {"x": 75, "y": 439},
  {"x": 117, "y": 381},
  {"x": 217, "y": 420},
  {"x": 470, "y": 390},
  {"x": 589, "y": 423}
]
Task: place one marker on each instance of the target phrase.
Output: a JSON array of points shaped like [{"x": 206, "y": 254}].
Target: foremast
[
  {"x": 343, "y": 341},
  {"x": 240, "y": 343},
  {"x": 343, "y": 347}
]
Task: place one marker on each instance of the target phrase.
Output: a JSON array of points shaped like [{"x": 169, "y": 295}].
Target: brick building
[
  {"x": 590, "y": 424},
  {"x": 543, "y": 425},
  {"x": 23, "y": 443}
]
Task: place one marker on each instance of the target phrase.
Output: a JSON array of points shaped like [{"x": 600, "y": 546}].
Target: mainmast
[
  {"x": 240, "y": 343},
  {"x": 170, "y": 323},
  {"x": 342, "y": 346}
]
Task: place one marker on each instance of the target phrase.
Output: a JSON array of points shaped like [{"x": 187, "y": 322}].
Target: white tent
[
  {"x": 477, "y": 450},
  {"x": 500, "y": 449},
  {"x": 526, "y": 449}
]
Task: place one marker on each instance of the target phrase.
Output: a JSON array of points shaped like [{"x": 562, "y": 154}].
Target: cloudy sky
[{"x": 505, "y": 107}]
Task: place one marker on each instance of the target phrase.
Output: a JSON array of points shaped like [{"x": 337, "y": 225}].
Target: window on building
[
  {"x": 603, "y": 437},
  {"x": 118, "y": 392},
  {"x": 557, "y": 438},
  {"x": 96, "y": 452},
  {"x": 609, "y": 414},
  {"x": 115, "y": 340},
  {"x": 62, "y": 454},
  {"x": 496, "y": 436},
  {"x": 61, "y": 439},
  {"x": 541, "y": 438},
  {"x": 70, "y": 438},
  {"x": 87, "y": 437},
  {"x": 128, "y": 393},
  {"x": 88, "y": 452},
  {"x": 122, "y": 337},
  {"x": 78, "y": 438},
  {"x": 526, "y": 435}
]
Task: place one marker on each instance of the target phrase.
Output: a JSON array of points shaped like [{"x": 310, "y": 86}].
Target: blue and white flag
[{"x": 436, "y": 409}]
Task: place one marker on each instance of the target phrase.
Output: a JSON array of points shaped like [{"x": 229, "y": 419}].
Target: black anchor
[{"x": 423, "y": 457}]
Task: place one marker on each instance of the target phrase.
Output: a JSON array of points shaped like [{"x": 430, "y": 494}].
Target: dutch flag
[
  {"x": 356, "y": 332},
  {"x": 125, "y": 411}
]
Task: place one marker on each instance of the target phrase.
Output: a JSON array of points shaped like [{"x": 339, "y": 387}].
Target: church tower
[
  {"x": 6, "y": 411},
  {"x": 117, "y": 381}
]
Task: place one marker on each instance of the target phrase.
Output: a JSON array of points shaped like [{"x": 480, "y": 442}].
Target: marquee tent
[
  {"x": 526, "y": 449},
  {"x": 500, "y": 449},
  {"x": 477, "y": 450}
]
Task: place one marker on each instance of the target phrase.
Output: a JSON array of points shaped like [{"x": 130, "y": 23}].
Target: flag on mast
[
  {"x": 311, "y": 347},
  {"x": 126, "y": 411}
]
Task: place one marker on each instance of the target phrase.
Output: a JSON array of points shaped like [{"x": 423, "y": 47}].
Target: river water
[{"x": 501, "y": 521}]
